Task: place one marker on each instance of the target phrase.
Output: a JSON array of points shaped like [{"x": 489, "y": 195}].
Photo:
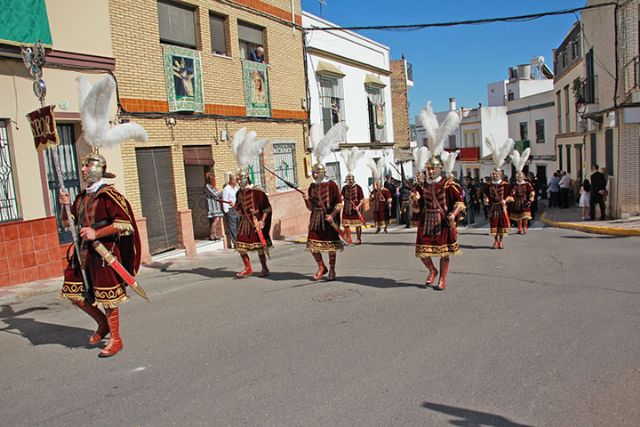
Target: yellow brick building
[{"x": 164, "y": 177}]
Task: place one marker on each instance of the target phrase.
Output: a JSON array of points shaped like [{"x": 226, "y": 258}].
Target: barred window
[
  {"x": 8, "y": 201},
  {"x": 284, "y": 157},
  {"x": 70, "y": 176},
  {"x": 256, "y": 173}
]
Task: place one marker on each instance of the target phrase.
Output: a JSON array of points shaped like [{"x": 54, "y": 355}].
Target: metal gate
[{"x": 158, "y": 198}]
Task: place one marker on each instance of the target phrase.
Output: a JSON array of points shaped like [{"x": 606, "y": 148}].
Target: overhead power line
[{"x": 414, "y": 27}]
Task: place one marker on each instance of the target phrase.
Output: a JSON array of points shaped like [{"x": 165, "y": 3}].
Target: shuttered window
[
  {"x": 177, "y": 24},
  {"x": 157, "y": 195},
  {"x": 249, "y": 37}
]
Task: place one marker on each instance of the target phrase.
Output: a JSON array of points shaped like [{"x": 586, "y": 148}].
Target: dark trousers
[
  {"x": 232, "y": 219},
  {"x": 554, "y": 199},
  {"x": 564, "y": 198},
  {"x": 593, "y": 201}
]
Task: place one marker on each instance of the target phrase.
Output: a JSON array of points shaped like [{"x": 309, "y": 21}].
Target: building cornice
[{"x": 348, "y": 61}]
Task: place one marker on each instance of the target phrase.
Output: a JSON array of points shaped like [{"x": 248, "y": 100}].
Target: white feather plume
[
  {"x": 520, "y": 160},
  {"x": 499, "y": 152},
  {"x": 351, "y": 157},
  {"x": 449, "y": 160},
  {"x": 94, "y": 114},
  {"x": 322, "y": 146},
  {"x": 420, "y": 156},
  {"x": 377, "y": 168},
  {"x": 438, "y": 133},
  {"x": 246, "y": 147}
]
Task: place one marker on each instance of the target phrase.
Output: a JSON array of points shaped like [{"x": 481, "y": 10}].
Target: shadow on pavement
[
  {"x": 487, "y": 246},
  {"x": 376, "y": 282},
  {"x": 470, "y": 418},
  {"x": 593, "y": 236},
  {"x": 211, "y": 273},
  {"x": 41, "y": 333},
  {"x": 387, "y": 243}
]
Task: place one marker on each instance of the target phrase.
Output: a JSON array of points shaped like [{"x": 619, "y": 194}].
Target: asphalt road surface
[{"x": 542, "y": 333}]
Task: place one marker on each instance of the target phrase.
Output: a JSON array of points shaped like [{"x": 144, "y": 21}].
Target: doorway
[{"x": 196, "y": 177}]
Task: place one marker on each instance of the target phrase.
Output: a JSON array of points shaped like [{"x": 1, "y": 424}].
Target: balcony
[
  {"x": 470, "y": 154},
  {"x": 521, "y": 145}
]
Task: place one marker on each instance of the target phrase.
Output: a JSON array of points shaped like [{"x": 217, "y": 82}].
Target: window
[
  {"x": 524, "y": 131},
  {"x": 69, "y": 166},
  {"x": 332, "y": 101},
  {"x": 559, "y": 110},
  {"x": 333, "y": 172},
  {"x": 256, "y": 173},
  {"x": 510, "y": 96},
  {"x": 177, "y": 24},
  {"x": 376, "y": 110},
  {"x": 8, "y": 201},
  {"x": 589, "y": 91},
  {"x": 594, "y": 149},
  {"x": 568, "y": 148},
  {"x": 567, "y": 103},
  {"x": 560, "y": 162},
  {"x": 575, "y": 49},
  {"x": 249, "y": 37},
  {"x": 284, "y": 159},
  {"x": 217, "y": 27},
  {"x": 608, "y": 151},
  {"x": 540, "y": 131}
]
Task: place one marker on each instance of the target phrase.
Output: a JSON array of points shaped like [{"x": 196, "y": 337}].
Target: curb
[{"x": 593, "y": 229}]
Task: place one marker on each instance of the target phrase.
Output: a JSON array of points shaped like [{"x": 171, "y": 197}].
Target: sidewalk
[{"x": 571, "y": 218}]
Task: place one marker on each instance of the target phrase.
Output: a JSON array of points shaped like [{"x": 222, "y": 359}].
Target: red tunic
[
  {"x": 97, "y": 210},
  {"x": 522, "y": 195},
  {"x": 435, "y": 236},
  {"x": 324, "y": 198},
  {"x": 250, "y": 203},
  {"x": 380, "y": 199},
  {"x": 499, "y": 196},
  {"x": 352, "y": 196}
]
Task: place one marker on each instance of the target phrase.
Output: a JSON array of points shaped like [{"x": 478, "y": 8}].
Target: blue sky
[{"x": 455, "y": 61}]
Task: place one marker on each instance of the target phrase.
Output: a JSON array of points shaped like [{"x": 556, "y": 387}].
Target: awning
[
  {"x": 199, "y": 155},
  {"x": 24, "y": 22},
  {"x": 324, "y": 67},
  {"x": 373, "y": 80}
]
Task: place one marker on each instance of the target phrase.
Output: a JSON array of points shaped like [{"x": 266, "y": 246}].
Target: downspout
[{"x": 293, "y": 17}]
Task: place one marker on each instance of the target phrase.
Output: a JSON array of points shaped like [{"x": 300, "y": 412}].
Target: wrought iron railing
[{"x": 8, "y": 201}]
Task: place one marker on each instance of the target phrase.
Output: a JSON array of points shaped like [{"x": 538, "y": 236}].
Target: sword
[
  {"x": 113, "y": 262},
  {"x": 340, "y": 232},
  {"x": 263, "y": 241}
]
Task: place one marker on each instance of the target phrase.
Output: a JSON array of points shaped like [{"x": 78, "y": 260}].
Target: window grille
[
  {"x": 69, "y": 167},
  {"x": 256, "y": 173},
  {"x": 377, "y": 119},
  {"x": 333, "y": 173},
  {"x": 284, "y": 158},
  {"x": 8, "y": 201}
]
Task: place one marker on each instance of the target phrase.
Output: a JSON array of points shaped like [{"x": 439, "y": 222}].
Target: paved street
[{"x": 543, "y": 333}]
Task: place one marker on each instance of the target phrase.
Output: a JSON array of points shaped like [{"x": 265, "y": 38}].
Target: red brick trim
[{"x": 271, "y": 10}]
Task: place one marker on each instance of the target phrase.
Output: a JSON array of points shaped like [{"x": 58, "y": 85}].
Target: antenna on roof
[{"x": 322, "y": 3}]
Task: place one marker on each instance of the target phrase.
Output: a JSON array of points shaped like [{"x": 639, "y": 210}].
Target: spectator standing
[
  {"x": 469, "y": 191},
  {"x": 585, "y": 191},
  {"x": 214, "y": 207},
  {"x": 230, "y": 214},
  {"x": 564, "y": 184},
  {"x": 554, "y": 191},
  {"x": 598, "y": 193}
]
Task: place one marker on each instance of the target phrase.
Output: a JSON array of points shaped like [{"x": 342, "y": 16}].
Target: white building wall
[
  {"x": 493, "y": 122},
  {"x": 497, "y": 93},
  {"x": 356, "y": 57},
  {"x": 527, "y": 87}
]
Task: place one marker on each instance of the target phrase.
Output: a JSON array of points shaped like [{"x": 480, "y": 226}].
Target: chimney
[{"x": 452, "y": 104}]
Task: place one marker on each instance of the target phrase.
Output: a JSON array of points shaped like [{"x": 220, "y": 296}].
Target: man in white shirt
[
  {"x": 564, "y": 184},
  {"x": 230, "y": 214}
]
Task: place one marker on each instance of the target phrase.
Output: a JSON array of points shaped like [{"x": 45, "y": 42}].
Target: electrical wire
[{"x": 414, "y": 27}]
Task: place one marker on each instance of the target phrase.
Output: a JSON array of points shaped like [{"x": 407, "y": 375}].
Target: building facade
[
  {"x": 610, "y": 101},
  {"x": 33, "y": 243},
  {"x": 188, "y": 73},
  {"x": 350, "y": 81}
]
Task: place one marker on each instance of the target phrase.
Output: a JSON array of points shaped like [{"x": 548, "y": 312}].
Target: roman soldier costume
[
  {"x": 380, "y": 198},
  {"x": 497, "y": 193},
  {"x": 109, "y": 243},
  {"x": 522, "y": 192},
  {"x": 324, "y": 201},
  {"x": 252, "y": 205},
  {"x": 352, "y": 195},
  {"x": 438, "y": 202}
]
